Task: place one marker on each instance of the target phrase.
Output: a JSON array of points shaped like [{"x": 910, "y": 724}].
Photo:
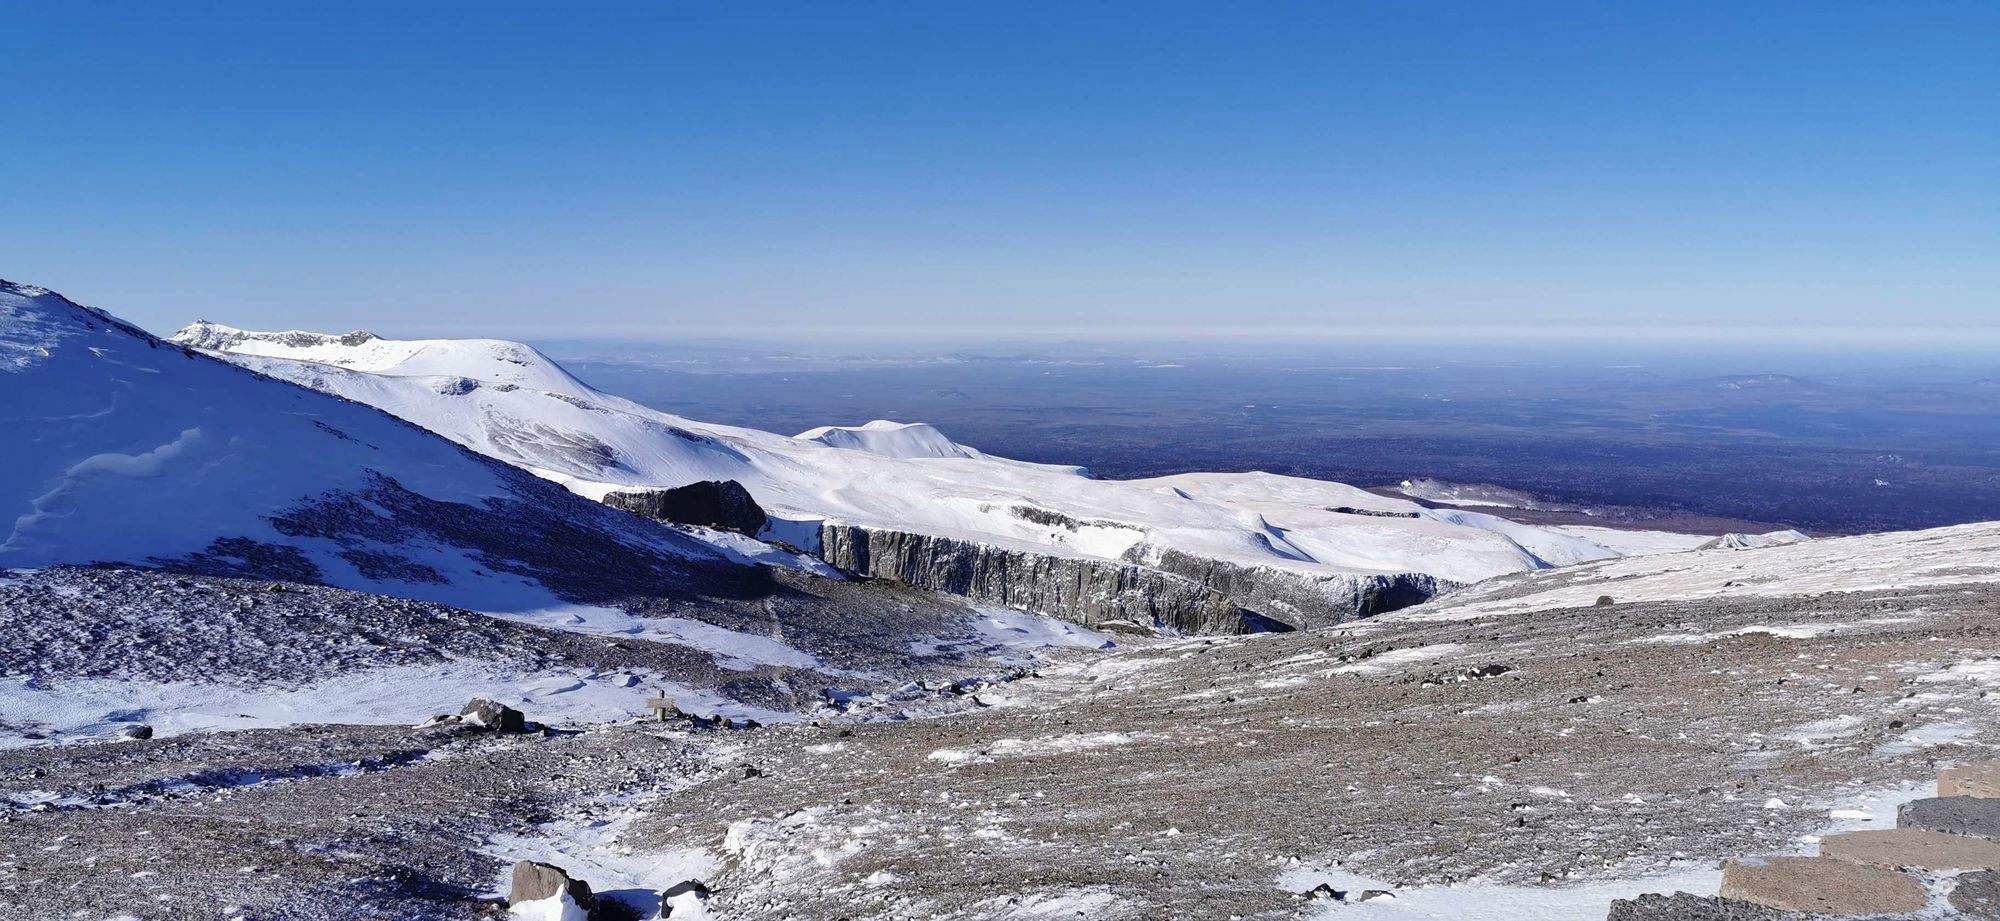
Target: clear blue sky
[{"x": 674, "y": 169}]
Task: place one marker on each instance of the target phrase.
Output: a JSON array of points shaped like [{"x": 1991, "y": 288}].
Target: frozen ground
[
  {"x": 1525, "y": 763},
  {"x": 86, "y": 652}
]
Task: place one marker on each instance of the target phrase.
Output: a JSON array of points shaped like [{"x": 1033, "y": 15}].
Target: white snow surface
[
  {"x": 1584, "y": 900},
  {"x": 889, "y": 439},
  {"x": 1959, "y": 554},
  {"x": 1739, "y": 541},
  {"x": 123, "y": 448},
  {"x": 485, "y": 395}
]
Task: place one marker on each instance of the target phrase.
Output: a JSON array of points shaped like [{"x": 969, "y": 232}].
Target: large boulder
[
  {"x": 492, "y": 716},
  {"x": 544, "y": 890},
  {"x": 721, "y": 504}
]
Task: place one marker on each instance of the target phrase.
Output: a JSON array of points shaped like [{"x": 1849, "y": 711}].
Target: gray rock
[
  {"x": 137, "y": 731},
  {"x": 721, "y": 504},
  {"x": 1957, "y": 815},
  {"x": 1192, "y": 595},
  {"x": 1684, "y": 907},
  {"x": 1977, "y": 894},
  {"x": 493, "y": 716},
  {"x": 685, "y": 894},
  {"x": 534, "y": 881}
]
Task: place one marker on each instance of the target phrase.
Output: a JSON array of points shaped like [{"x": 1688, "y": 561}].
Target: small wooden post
[{"x": 663, "y": 706}]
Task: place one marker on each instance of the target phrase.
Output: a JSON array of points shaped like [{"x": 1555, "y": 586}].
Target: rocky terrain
[{"x": 1537, "y": 761}]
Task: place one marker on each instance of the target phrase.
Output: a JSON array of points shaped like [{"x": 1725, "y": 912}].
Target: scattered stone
[
  {"x": 136, "y": 732},
  {"x": 1913, "y": 847},
  {"x": 535, "y": 881},
  {"x": 1979, "y": 778},
  {"x": 1822, "y": 885},
  {"x": 1957, "y": 815},
  {"x": 1604, "y": 601},
  {"x": 1480, "y": 673},
  {"x": 493, "y": 716},
  {"x": 1977, "y": 894}
]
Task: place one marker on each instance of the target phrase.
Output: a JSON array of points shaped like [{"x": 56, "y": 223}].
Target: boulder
[
  {"x": 1977, "y": 895},
  {"x": 1955, "y": 815},
  {"x": 1979, "y": 778},
  {"x": 1822, "y": 885},
  {"x": 535, "y": 881},
  {"x": 721, "y": 504},
  {"x": 492, "y": 716},
  {"x": 136, "y": 732},
  {"x": 1915, "y": 848},
  {"x": 683, "y": 899}
]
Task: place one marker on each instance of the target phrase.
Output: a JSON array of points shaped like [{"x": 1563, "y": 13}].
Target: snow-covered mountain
[
  {"x": 510, "y": 402},
  {"x": 416, "y": 572},
  {"x": 126, "y": 448}
]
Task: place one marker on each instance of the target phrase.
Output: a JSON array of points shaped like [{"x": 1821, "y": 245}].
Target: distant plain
[{"x": 1826, "y": 441}]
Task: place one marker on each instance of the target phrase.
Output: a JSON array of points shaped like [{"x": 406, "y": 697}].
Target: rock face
[
  {"x": 721, "y": 504},
  {"x": 1174, "y": 590},
  {"x": 534, "y": 882},
  {"x": 1300, "y": 600}
]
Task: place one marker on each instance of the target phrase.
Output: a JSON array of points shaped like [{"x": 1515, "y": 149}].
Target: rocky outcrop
[
  {"x": 547, "y": 883},
  {"x": 1085, "y": 591},
  {"x": 1297, "y": 598},
  {"x": 492, "y": 716},
  {"x": 721, "y": 504},
  {"x": 1170, "y": 590}
]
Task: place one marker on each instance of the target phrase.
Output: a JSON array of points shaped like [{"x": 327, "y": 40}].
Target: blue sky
[{"x": 687, "y": 169}]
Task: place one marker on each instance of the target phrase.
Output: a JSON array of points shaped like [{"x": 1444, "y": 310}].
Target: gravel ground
[
  {"x": 1200, "y": 778},
  {"x": 1215, "y": 778}
]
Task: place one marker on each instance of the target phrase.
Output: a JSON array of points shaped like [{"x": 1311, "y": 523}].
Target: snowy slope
[
  {"x": 888, "y": 475},
  {"x": 123, "y": 447},
  {"x": 889, "y": 439},
  {"x": 1901, "y": 559}
]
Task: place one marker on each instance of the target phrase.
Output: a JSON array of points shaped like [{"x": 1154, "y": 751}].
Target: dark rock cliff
[{"x": 1174, "y": 591}]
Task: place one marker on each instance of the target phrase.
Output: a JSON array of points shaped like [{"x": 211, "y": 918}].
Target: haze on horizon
[{"x": 1811, "y": 171}]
